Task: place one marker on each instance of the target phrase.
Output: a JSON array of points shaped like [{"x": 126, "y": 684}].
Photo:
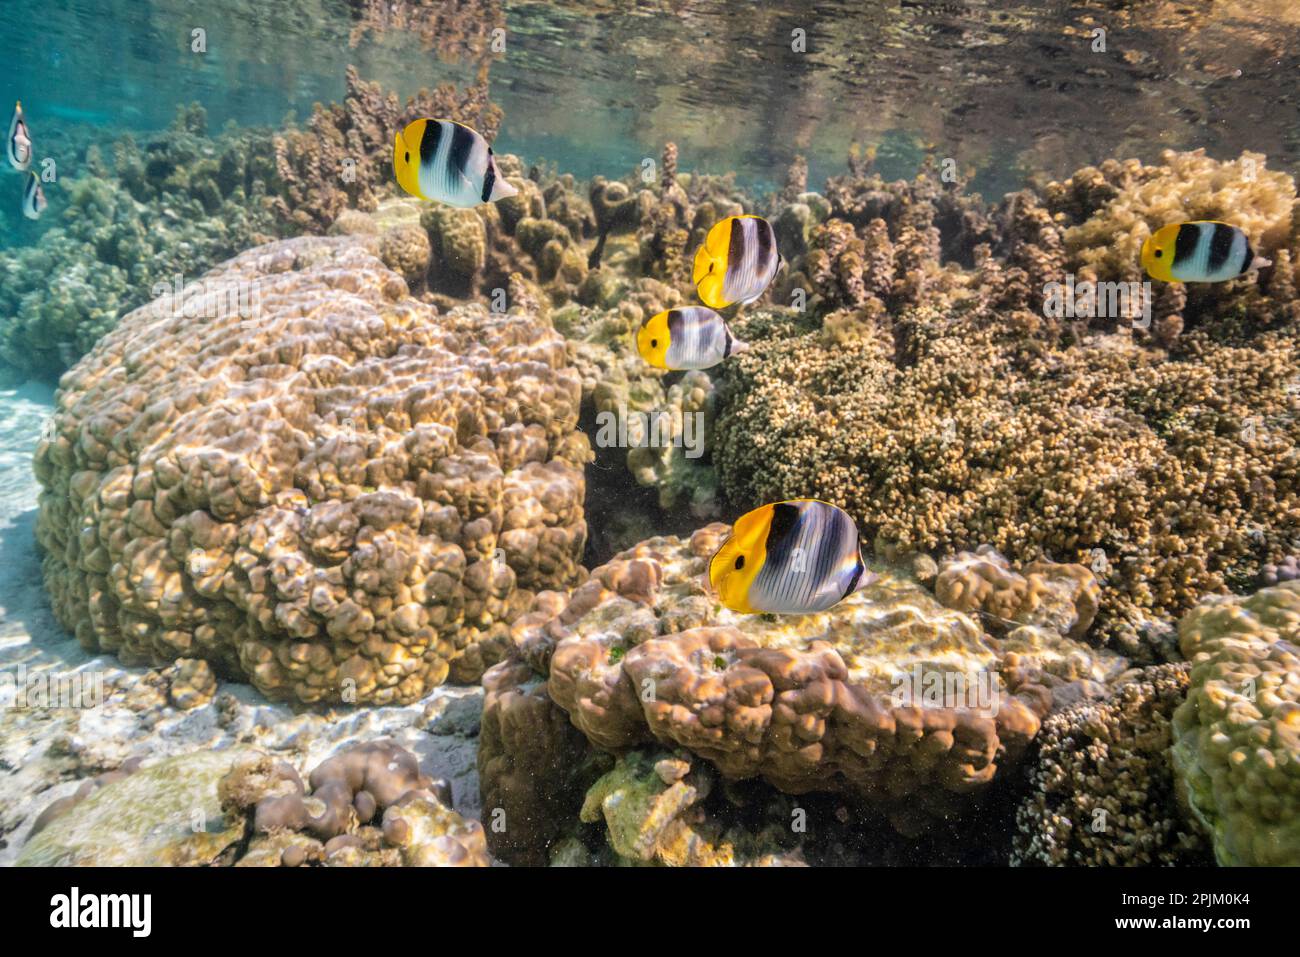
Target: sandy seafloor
[{"x": 45, "y": 753}]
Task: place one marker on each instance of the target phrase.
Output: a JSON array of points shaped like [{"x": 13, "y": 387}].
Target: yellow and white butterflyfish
[
  {"x": 18, "y": 146},
  {"x": 33, "y": 197},
  {"x": 688, "y": 337},
  {"x": 447, "y": 162},
  {"x": 792, "y": 558},
  {"x": 1201, "y": 251},
  {"x": 736, "y": 262}
]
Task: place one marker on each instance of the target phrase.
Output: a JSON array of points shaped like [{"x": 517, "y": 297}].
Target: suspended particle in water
[{"x": 198, "y": 40}]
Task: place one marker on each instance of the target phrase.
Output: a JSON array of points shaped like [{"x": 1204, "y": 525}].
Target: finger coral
[
  {"x": 1102, "y": 783},
  {"x": 330, "y": 490}
]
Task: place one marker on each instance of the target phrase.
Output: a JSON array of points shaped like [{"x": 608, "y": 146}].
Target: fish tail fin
[
  {"x": 738, "y": 346},
  {"x": 502, "y": 189},
  {"x": 1259, "y": 262},
  {"x": 868, "y": 578}
]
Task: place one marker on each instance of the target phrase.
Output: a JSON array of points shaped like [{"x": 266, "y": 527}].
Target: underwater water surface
[{"x": 816, "y": 433}]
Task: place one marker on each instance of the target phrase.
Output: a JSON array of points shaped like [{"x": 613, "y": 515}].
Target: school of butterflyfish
[
  {"x": 795, "y": 557},
  {"x": 800, "y": 556}
]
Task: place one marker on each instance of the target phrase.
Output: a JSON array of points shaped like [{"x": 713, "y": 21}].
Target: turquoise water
[{"x": 1004, "y": 88}]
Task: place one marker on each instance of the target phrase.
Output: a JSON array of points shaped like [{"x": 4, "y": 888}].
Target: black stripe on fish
[
  {"x": 1220, "y": 246},
  {"x": 736, "y": 247},
  {"x": 1246, "y": 259},
  {"x": 462, "y": 141},
  {"x": 781, "y": 535},
  {"x": 429, "y": 141},
  {"x": 766, "y": 238},
  {"x": 1189, "y": 236},
  {"x": 675, "y": 325},
  {"x": 489, "y": 177},
  {"x": 726, "y": 349}
]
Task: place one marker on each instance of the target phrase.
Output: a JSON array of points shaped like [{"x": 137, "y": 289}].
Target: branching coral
[
  {"x": 1169, "y": 477},
  {"x": 1102, "y": 784}
]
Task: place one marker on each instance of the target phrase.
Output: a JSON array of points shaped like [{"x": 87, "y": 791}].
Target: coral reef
[
  {"x": 330, "y": 492},
  {"x": 651, "y": 807},
  {"x": 835, "y": 702},
  {"x": 1236, "y": 747},
  {"x": 158, "y": 214},
  {"x": 928, "y": 393},
  {"x": 1061, "y": 597},
  {"x": 343, "y": 156},
  {"x": 1102, "y": 784},
  {"x": 532, "y": 762},
  {"x": 244, "y": 808}
]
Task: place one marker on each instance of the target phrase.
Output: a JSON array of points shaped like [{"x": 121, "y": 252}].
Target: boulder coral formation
[
  {"x": 889, "y": 698},
  {"x": 1236, "y": 747},
  {"x": 336, "y": 492}
]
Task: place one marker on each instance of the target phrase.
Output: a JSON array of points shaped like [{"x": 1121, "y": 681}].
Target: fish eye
[
  {"x": 1159, "y": 253},
  {"x": 408, "y": 156},
  {"x": 740, "y": 562},
  {"x": 654, "y": 343}
]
